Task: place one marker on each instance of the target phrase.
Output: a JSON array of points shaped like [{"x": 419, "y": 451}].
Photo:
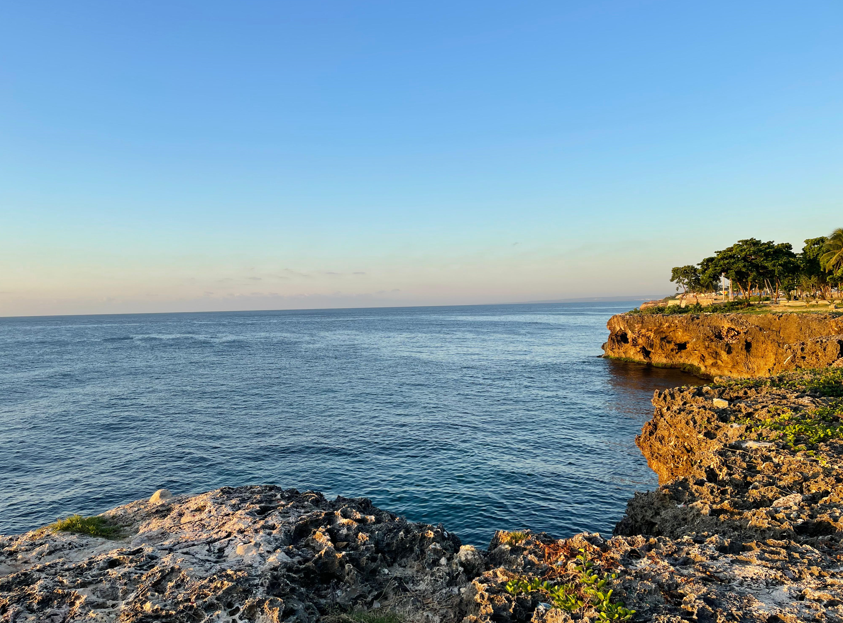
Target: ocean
[{"x": 479, "y": 418}]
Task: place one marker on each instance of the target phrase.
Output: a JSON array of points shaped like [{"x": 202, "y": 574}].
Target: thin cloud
[{"x": 296, "y": 273}]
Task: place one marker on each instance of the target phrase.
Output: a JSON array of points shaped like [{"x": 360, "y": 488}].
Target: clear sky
[{"x": 167, "y": 156}]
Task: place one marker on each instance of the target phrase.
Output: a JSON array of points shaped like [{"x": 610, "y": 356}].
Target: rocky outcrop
[
  {"x": 696, "y": 578},
  {"x": 237, "y": 554},
  {"x": 734, "y": 345}
]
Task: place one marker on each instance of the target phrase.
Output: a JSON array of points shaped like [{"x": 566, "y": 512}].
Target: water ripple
[{"x": 475, "y": 417}]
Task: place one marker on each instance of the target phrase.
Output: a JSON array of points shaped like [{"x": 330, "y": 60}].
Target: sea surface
[{"x": 479, "y": 418}]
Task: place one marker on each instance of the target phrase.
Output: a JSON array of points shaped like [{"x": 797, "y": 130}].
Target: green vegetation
[
  {"x": 514, "y": 538},
  {"x": 800, "y": 429},
  {"x": 832, "y": 257},
  {"x": 753, "y": 266},
  {"x": 823, "y": 381},
  {"x": 804, "y": 428},
  {"x": 820, "y": 382},
  {"x": 91, "y": 526},
  {"x": 670, "y": 310},
  {"x": 589, "y": 588}
]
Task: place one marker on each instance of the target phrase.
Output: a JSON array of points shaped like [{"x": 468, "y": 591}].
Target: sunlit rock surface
[{"x": 736, "y": 345}]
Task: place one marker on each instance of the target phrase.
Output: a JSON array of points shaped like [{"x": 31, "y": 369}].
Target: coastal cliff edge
[{"x": 733, "y": 345}]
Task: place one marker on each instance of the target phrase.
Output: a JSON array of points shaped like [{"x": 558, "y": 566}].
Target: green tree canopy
[
  {"x": 752, "y": 264},
  {"x": 831, "y": 258},
  {"x": 687, "y": 278}
]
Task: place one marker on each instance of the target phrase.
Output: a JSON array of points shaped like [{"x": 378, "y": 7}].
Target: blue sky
[{"x": 216, "y": 155}]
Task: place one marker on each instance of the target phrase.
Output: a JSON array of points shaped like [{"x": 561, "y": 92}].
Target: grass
[
  {"x": 822, "y": 381},
  {"x": 696, "y": 308},
  {"x": 90, "y": 526},
  {"x": 514, "y": 538},
  {"x": 804, "y": 428},
  {"x": 733, "y": 307},
  {"x": 801, "y": 428},
  {"x": 762, "y": 311},
  {"x": 827, "y": 382}
]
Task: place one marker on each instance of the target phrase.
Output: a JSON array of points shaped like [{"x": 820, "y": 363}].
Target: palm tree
[{"x": 832, "y": 258}]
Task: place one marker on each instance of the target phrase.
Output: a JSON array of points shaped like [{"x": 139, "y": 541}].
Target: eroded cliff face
[
  {"x": 735, "y": 345},
  {"x": 766, "y": 462}
]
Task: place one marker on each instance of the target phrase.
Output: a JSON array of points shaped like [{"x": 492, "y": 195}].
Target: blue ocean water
[{"x": 481, "y": 418}]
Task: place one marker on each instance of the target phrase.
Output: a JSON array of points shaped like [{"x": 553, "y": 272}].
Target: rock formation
[
  {"x": 735, "y": 345},
  {"x": 237, "y": 554}
]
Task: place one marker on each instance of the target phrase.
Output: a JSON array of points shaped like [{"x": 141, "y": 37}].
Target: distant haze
[{"x": 229, "y": 156}]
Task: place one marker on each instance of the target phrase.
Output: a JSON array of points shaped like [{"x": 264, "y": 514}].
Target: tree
[
  {"x": 781, "y": 266},
  {"x": 814, "y": 277},
  {"x": 745, "y": 263},
  {"x": 755, "y": 266},
  {"x": 831, "y": 259},
  {"x": 687, "y": 278}
]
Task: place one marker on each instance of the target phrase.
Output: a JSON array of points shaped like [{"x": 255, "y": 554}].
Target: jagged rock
[
  {"x": 237, "y": 554},
  {"x": 666, "y": 580},
  {"x": 728, "y": 480},
  {"x": 734, "y": 345}
]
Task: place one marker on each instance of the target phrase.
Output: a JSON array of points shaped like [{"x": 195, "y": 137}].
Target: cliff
[
  {"x": 735, "y": 345},
  {"x": 765, "y": 462},
  {"x": 746, "y": 525}
]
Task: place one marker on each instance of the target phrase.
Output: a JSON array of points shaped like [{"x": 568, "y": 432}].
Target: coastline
[
  {"x": 746, "y": 524},
  {"x": 742, "y": 522},
  {"x": 727, "y": 345}
]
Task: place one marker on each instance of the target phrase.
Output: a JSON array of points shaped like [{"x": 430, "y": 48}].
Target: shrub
[
  {"x": 91, "y": 526},
  {"x": 514, "y": 538}
]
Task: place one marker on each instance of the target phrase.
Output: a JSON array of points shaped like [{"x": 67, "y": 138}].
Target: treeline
[{"x": 756, "y": 267}]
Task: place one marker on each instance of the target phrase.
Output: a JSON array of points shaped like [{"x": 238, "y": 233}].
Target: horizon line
[{"x": 594, "y": 299}]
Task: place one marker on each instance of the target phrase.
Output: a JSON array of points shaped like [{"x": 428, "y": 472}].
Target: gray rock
[
  {"x": 160, "y": 496},
  {"x": 243, "y": 554}
]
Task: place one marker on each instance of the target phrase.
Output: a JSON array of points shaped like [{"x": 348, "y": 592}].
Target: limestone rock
[
  {"x": 243, "y": 554},
  {"x": 160, "y": 496},
  {"x": 733, "y": 345}
]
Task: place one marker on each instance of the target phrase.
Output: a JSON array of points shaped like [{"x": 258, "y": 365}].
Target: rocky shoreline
[
  {"x": 733, "y": 345},
  {"x": 746, "y": 525}
]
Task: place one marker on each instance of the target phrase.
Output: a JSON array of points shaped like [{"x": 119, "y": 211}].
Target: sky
[{"x": 205, "y": 155}]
